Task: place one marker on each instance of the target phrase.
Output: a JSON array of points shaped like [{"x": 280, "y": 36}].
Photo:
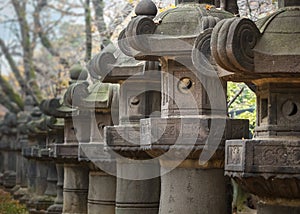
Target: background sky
[{"x": 7, "y": 15}]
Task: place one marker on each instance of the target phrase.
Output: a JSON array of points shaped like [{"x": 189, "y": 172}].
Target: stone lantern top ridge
[
  {"x": 188, "y": 19},
  {"x": 65, "y": 108},
  {"x": 259, "y": 50},
  {"x": 102, "y": 96},
  {"x": 146, "y": 8},
  {"x": 171, "y": 33},
  {"x": 50, "y": 107},
  {"x": 111, "y": 65},
  {"x": 278, "y": 28}
]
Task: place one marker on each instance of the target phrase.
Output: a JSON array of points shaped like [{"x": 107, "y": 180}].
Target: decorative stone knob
[
  {"x": 77, "y": 72},
  {"x": 146, "y": 8}
]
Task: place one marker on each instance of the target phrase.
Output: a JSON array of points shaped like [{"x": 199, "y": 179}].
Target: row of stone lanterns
[{"x": 151, "y": 133}]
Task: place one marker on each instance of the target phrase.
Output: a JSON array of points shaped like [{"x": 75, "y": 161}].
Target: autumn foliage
[{"x": 10, "y": 206}]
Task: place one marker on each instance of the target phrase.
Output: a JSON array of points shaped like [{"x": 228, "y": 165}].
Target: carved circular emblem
[
  {"x": 134, "y": 101},
  {"x": 290, "y": 109},
  {"x": 185, "y": 84}
]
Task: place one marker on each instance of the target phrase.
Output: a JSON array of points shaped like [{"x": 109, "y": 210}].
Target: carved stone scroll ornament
[
  {"x": 75, "y": 94},
  {"x": 209, "y": 22},
  {"x": 136, "y": 30},
  {"x": 49, "y": 107},
  {"x": 201, "y": 54},
  {"x": 232, "y": 44},
  {"x": 102, "y": 63},
  {"x": 124, "y": 44}
]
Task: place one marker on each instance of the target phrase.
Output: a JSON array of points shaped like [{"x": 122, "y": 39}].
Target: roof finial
[
  {"x": 77, "y": 72},
  {"x": 146, "y": 8}
]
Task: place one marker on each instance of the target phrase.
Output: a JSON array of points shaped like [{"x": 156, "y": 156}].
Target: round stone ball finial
[
  {"x": 146, "y": 8},
  {"x": 77, "y": 72}
]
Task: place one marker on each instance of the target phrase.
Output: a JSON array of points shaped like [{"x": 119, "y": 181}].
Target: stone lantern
[
  {"x": 21, "y": 171},
  {"x": 103, "y": 98},
  {"x": 55, "y": 173},
  {"x": 55, "y": 136},
  {"x": 37, "y": 168},
  {"x": 267, "y": 54},
  {"x": 9, "y": 149},
  {"x": 189, "y": 137},
  {"x": 76, "y": 174},
  {"x": 133, "y": 195}
]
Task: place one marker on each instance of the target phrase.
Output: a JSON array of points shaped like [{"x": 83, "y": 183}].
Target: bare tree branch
[
  {"x": 88, "y": 31},
  {"x": 43, "y": 36},
  {"x": 20, "y": 9},
  {"x": 66, "y": 11},
  {"x": 12, "y": 107},
  {"x": 13, "y": 65},
  {"x": 10, "y": 93},
  {"x": 98, "y": 7}
]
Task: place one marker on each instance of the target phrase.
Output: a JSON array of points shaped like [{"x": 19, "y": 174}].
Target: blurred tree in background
[
  {"x": 243, "y": 104},
  {"x": 41, "y": 39}
]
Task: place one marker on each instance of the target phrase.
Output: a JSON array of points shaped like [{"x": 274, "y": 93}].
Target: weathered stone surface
[
  {"x": 269, "y": 163},
  {"x": 179, "y": 131},
  {"x": 136, "y": 196},
  {"x": 57, "y": 207},
  {"x": 76, "y": 182},
  {"x": 102, "y": 193},
  {"x": 264, "y": 156},
  {"x": 184, "y": 186},
  {"x": 277, "y": 209}
]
